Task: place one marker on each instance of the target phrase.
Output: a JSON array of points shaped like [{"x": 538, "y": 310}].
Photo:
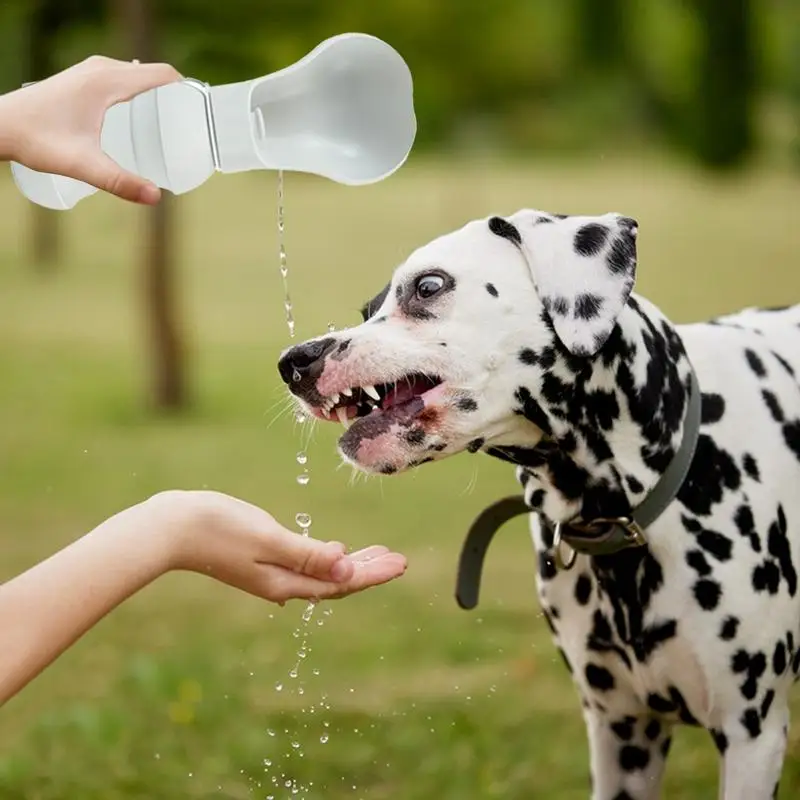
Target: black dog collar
[{"x": 596, "y": 537}]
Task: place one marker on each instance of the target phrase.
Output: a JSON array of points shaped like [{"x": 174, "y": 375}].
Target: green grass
[{"x": 174, "y": 694}]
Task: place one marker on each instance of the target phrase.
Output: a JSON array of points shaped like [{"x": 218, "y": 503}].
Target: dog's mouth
[{"x": 390, "y": 402}]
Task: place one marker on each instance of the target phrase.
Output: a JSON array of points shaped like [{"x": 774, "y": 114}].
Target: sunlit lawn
[{"x": 174, "y": 695}]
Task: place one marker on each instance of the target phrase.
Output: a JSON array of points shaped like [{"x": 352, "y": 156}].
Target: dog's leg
[
  {"x": 752, "y": 755},
  {"x": 628, "y": 755}
]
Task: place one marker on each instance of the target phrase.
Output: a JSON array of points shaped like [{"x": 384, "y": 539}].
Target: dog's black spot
[
  {"x": 342, "y": 346},
  {"x": 476, "y": 445},
  {"x": 751, "y": 722},
  {"x": 751, "y": 467},
  {"x": 599, "y": 678},
  {"x": 398, "y": 292},
  {"x": 634, "y": 484},
  {"x": 755, "y": 363},
  {"x": 773, "y": 405},
  {"x": 713, "y": 407},
  {"x": 621, "y": 258},
  {"x": 587, "y": 306},
  {"x": 415, "y": 436},
  {"x": 652, "y": 730},
  {"x": 370, "y": 309},
  {"x": 651, "y": 637},
  {"x": 753, "y": 667},
  {"x": 589, "y": 239},
  {"x": 779, "y": 660},
  {"x": 660, "y": 704},
  {"x": 623, "y": 728},
  {"x": 528, "y": 357},
  {"x": 713, "y": 471},
  {"x": 531, "y": 410},
  {"x": 778, "y": 547},
  {"x": 791, "y": 435},
  {"x": 716, "y": 544},
  {"x": 622, "y": 795},
  {"x": 697, "y": 561},
  {"x": 766, "y": 702},
  {"x": 707, "y": 593},
  {"x": 537, "y": 498},
  {"x": 720, "y": 740},
  {"x": 730, "y": 625},
  {"x": 540, "y": 220},
  {"x": 583, "y": 589},
  {"x": 633, "y": 758},
  {"x": 785, "y": 364},
  {"x": 558, "y": 305},
  {"x": 438, "y": 447},
  {"x": 388, "y": 469},
  {"x": 503, "y": 228},
  {"x": 467, "y": 404},
  {"x": 490, "y": 287},
  {"x": 743, "y": 519}
]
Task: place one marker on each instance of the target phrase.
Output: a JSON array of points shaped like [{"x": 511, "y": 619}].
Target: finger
[
  {"x": 128, "y": 80},
  {"x": 306, "y": 555},
  {"x": 104, "y": 173},
  {"x": 368, "y": 553},
  {"x": 278, "y": 584}
]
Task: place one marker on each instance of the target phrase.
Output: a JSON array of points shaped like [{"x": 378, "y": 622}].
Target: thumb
[
  {"x": 306, "y": 555},
  {"x": 104, "y": 173}
]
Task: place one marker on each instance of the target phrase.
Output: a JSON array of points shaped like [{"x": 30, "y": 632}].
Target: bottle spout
[{"x": 345, "y": 111}]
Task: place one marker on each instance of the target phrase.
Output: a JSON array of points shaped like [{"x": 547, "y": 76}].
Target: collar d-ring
[{"x": 558, "y": 549}]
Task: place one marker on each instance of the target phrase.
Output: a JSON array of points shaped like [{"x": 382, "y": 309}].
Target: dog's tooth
[
  {"x": 341, "y": 413},
  {"x": 335, "y": 399},
  {"x": 372, "y": 392},
  {"x": 347, "y": 392}
]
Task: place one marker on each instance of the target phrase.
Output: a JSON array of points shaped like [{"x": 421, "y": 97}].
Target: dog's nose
[{"x": 304, "y": 360}]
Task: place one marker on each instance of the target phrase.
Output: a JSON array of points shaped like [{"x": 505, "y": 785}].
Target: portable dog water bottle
[{"x": 345, "y": 111}]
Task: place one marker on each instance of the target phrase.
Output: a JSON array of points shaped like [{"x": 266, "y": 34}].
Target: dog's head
[{"x": 439, "y": 364}]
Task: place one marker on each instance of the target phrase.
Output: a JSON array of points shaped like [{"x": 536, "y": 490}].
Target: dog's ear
[{"x": 583, "y": 269}]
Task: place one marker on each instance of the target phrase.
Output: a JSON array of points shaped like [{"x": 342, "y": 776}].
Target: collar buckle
[{"x": 600, "y": 536}]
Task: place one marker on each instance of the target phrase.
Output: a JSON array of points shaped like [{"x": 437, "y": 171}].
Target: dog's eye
[{"x": 429, "y": 285}]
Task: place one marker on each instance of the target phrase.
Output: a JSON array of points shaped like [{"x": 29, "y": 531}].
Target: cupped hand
[
  {"x": 242, "y": 545},
  {"x": 54, "y": 125}
]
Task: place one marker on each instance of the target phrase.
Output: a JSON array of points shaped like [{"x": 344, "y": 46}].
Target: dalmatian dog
[{"x": 519, "y": 337}]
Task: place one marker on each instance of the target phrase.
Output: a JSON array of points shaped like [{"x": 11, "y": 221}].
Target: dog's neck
[{"x": 612, "y": 423}]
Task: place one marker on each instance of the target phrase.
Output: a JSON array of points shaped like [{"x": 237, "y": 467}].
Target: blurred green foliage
[{"x": 714, "y": 79}]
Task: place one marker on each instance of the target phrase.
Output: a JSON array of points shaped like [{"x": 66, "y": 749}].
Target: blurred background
[{"x": 138, "y": 351}]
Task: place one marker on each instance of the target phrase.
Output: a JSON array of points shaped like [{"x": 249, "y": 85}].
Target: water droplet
[
  {"x": 278, "y": 687},
  {"x": 324, "y": 738},
  {"x": 293, "y": 672},
  {"x": 267, "y": 762},
  {"x": 300, "y": 417},
  {"x": 296, "y": 745},
  {"x": 302, "y": 457},
  {"x": 301, "y": 690},
  {"x": 157, "y": 756},
  {"x": 315, "y": 671},
  {"x": 296, "y": 376},
  {"x": 303, "y": 478},
  {"x": 303, "y": 520},
  {"x": 331, "y": 327}
]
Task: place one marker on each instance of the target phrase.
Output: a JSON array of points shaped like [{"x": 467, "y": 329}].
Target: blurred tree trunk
[
  {"x": 723, "y": 102},
  {"x": 138, "y": 24},
  {"x": 47, "y": 17}
]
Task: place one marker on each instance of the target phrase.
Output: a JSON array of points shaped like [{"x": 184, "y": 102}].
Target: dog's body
[{"x": 584, "y": 386}]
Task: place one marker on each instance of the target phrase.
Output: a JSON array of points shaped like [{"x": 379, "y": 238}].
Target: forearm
[
  {"x": 9, "y": 134},
  {"x": 49, "y": 607}
]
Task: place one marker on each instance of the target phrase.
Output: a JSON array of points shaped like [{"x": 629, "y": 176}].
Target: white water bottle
[{"x": 345, "y": 111}]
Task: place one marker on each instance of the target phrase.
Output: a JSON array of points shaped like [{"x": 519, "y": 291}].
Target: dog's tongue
[{"x": 403, "y": 392}]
